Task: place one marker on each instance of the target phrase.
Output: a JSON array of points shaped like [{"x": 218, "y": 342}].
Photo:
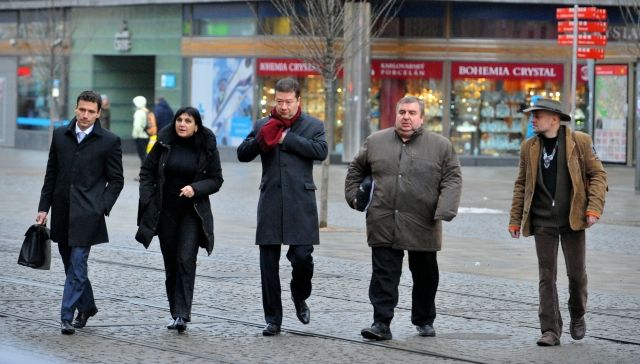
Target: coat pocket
[{"x": 310, "y": 186}]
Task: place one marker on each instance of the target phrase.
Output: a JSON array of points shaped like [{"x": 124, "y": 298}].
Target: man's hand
[
  {"x": 284, "y": 134},
  {"x": 591, "y": 220},
  {"x": 514, "y": 233},
  {"x": 41, "y": 218}
]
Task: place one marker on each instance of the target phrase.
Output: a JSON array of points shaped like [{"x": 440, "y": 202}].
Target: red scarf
[{"x": 271, "y": 132}]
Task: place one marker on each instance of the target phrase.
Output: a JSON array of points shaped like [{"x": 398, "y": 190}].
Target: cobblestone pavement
[{"x": 487, "y": 299}]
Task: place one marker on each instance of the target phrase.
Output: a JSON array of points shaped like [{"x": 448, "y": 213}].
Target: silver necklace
[{"x": 548, "y": 158}]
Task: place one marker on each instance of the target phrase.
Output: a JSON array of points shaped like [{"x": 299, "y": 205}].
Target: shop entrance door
[
  {"x": 122, "y": 78},
  {"x": 8, "y": 67}
]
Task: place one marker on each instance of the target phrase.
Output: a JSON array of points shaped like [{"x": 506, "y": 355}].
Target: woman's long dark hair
[{"x": 200, "y": 135}]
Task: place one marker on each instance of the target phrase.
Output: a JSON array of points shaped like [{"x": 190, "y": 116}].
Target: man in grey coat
[
  {"x": 83, "y": 180},
  {"x": 288, "y": 142},
  {"x": 416, "y": 184}
]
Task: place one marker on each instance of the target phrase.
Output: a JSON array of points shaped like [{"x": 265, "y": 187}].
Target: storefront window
[
  {"x": 219, "y": 20},
  {"x": 34, "y": 90},
  {"x": 272, "y": 22},
  {"x": 392, "y": 80},
  {"x": 312, "y": 90},
  {"x": 486, "y": 104},
  {"x": 416, "y": 20},
  {"x": 8, "y": 24},
  {"x": 503, "y": 21}
]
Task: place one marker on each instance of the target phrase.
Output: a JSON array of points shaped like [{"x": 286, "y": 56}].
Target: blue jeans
[{"x": 78, "y": 293}]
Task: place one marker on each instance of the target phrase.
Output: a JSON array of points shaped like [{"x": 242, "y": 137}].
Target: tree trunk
[{"x": 329, "y": 122}]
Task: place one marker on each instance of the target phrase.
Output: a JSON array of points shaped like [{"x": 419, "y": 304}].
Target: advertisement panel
[
  {"x": 610, "y": 130},
  {"x": 222, "y": 90}
]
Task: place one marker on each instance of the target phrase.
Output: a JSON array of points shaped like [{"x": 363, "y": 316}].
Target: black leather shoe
[
  {"x": 271, "y": 329},
  {"x": 378, "y": 331},
  {"x": 66, "y": 328},
  {"x": 426, "y": 330},
  {"x": 83, "y": 317},
  {"x": 302, "y": 311},
  {"x": 578, "y": 328},
  {"x": 180, "y": 324}
]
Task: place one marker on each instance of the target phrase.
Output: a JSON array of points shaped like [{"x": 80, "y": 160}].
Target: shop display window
[
  {"x": 34, "y": 94},
  {"x": 385, "y": 93},
  {"x": 394, "y": 79},
  {"x": 487, "y": 100},
  {"x": 312, "y": 100}
]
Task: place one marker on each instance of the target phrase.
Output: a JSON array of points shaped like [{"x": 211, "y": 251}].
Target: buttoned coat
[
  {"x": 81, "y": 184},
  {"x": 207, "y": 181},
  {"x": 588, "y": 182},
  {"x": 417, "y": 184},
  {"x": 287, "y": 211}
]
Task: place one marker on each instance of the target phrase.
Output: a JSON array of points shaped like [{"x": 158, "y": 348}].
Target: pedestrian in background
[
  {"x": 559, "y": 192},
  {"x": 176, "y": 179},
  {"x": 105, "y": 113},
  {"x": 416, "y": 185},
  {"x": 163, "y": 113},
  {"x": 287, "y": 141},
  {"x": 139, "y": 130},
  {"x": 81, "y": 185}
]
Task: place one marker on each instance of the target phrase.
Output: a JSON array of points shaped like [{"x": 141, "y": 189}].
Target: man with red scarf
[{"x": 288, "y": 142}]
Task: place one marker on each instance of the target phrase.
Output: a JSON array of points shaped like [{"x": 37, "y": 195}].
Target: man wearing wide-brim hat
[{"x": 559, "y": 192}]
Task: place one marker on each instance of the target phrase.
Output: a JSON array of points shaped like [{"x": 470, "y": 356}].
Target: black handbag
[
  {"x": 36, "y": 248},
  {"x": 364, "y": 192}
]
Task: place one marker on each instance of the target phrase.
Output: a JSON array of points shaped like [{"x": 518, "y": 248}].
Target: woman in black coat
[{"x": 176, "y": 179}]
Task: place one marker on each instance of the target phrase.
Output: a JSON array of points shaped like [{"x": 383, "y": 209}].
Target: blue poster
[{"x": 222, "y": 89}]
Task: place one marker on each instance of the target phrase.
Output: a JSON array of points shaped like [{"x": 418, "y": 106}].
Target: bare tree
[
  {"x": 630, "y": 11},
  {"x": 319, "y": 27}
]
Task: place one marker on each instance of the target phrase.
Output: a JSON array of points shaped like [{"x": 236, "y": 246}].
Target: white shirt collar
[{"x": 86, "y": 132}]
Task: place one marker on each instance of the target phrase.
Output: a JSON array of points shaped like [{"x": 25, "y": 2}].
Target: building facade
[{"x": 475, "y": 64}]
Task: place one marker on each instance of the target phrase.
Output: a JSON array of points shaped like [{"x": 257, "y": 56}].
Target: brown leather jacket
[{"x": 588, "y": 182}]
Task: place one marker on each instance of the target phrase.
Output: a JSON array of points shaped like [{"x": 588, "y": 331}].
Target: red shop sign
[
  {"x": 405, "y": 69},
  {"x": 583, "y": 26},
  {"x": 507, "y": 71},
  {"x": 282, "y": 66},
  {"x": 583, "y": 13},
  {"x": 583, "y": 39},
  {"x": 590, "y": 53},
  {"x": 611, "y": 70}
]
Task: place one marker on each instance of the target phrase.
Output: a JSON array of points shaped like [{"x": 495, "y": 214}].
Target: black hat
[{"x": 549, "y": 105}]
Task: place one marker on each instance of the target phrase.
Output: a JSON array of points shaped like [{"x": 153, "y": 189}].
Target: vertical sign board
[{"x": 610, "y": 129}]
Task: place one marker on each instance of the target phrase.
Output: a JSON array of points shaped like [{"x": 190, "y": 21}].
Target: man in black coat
[
  {"x": 82, "y": 182},
  {"x": 287, "y": 142}
]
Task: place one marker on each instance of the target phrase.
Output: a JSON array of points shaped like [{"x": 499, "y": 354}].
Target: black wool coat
[
  {"x": 287, "y": 212},
  {"x": 207, "y": 181},
  {"x": 81, "y": 184}
]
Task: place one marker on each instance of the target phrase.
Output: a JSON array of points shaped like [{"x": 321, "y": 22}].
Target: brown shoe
[
  {"x": 578, "y": 328},
  {"x": 548, "y": 339}
]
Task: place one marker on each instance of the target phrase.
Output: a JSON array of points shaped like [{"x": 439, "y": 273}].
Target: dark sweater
[
  {"x": 552, "y": 197},
  {"x": 180, "y": 171}
]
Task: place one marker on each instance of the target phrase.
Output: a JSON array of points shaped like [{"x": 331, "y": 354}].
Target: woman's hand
[{"x": 187, "y": 191}]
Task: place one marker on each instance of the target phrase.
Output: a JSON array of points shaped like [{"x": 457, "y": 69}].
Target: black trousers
[
  {"x": 385, "y": 278},
  {"x": 179, "y": 235},
  {"x": 141, "y": 147},
  {"x": 301, "y": 274}
]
